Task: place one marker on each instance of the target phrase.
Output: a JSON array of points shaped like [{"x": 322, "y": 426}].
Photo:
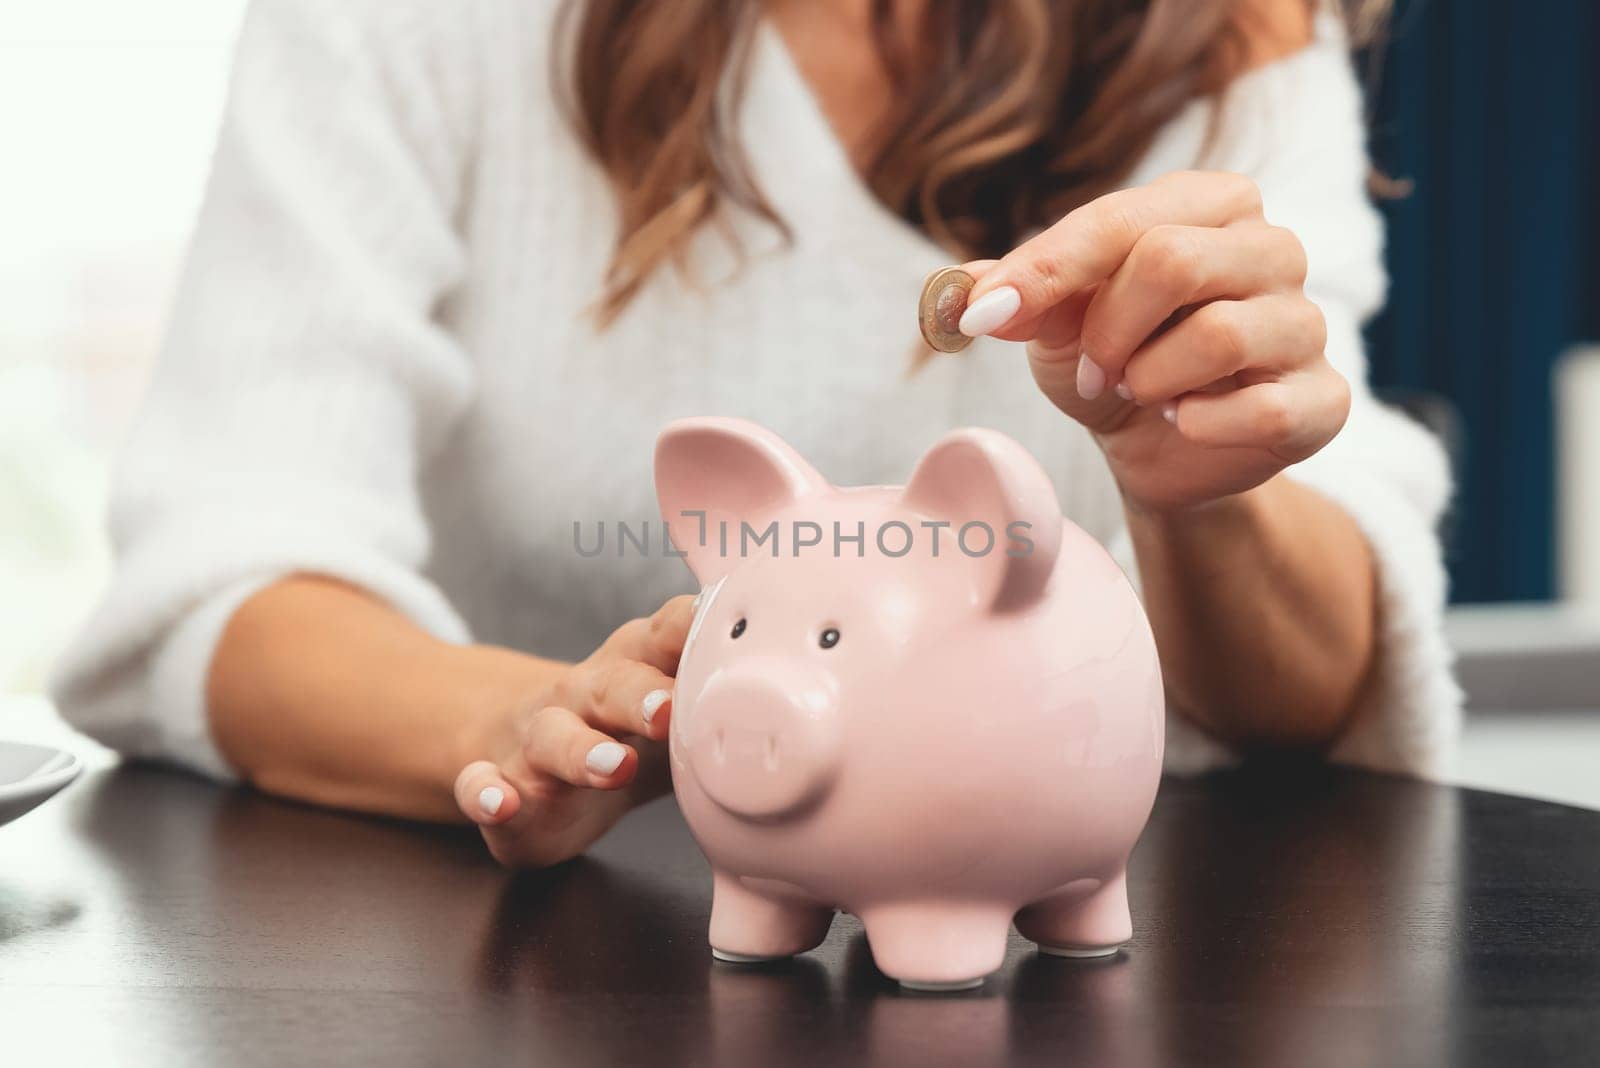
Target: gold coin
[{"x": 944, "y": 298}]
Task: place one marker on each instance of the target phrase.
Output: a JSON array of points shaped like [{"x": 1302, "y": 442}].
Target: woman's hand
[
  {"x": 570, "y": 760},
  {"x": 1170, "y": 320}
]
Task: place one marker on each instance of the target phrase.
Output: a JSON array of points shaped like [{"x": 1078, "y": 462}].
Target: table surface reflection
[{"x": 1305, "y": 916}]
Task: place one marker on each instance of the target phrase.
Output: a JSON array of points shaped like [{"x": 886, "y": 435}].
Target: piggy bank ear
[
  {"x": 731, "y": 470},
  {"x": 981, "y": 476}
]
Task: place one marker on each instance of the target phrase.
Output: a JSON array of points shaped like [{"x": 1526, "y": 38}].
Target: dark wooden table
[{"x": 1297, "y": 917}]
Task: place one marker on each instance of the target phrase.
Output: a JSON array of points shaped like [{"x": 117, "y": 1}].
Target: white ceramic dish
[{"x": 29, "y": 774}]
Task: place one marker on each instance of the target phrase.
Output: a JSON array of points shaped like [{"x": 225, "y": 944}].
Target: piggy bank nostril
[{"x": 771, "y": 755}]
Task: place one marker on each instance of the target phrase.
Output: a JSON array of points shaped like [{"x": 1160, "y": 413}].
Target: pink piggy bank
[{"x": 937, "y": 707}]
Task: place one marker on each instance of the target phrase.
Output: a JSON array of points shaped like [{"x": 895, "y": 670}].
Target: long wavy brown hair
[{"x": 1006, "y": 114}]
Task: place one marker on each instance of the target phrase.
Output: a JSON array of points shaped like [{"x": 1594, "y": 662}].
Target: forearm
[
  {"x": 321, "y": 693},
  {"x": 1263, "y": 606}
]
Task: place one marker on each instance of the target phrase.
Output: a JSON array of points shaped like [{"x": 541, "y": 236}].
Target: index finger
[
  {"x": 1088, "y": 245},
  {"x": 658, "y": 639}
]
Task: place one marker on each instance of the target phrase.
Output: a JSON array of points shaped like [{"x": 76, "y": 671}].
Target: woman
[{"x": 458, "y": 263}]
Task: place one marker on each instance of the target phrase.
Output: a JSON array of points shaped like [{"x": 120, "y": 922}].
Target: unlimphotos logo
[{"x": 893, "y": 538}]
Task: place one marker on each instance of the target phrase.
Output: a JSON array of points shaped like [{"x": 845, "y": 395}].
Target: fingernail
[
  {"x": 1123, "y": 391},
  {"x": 605, "y": 758},
  {"x": 1169, "y": 412},
  {"x": 990, "y": 312},
  {"x": 652, "y": 704},
  {"x": 1091, "y": 380},
  {"x": 491, "y": 799}
]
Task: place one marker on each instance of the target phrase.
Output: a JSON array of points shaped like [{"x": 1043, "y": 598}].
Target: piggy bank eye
[
  {"x": 738, "y": 628},
  {"x": 829, "y": 638}
]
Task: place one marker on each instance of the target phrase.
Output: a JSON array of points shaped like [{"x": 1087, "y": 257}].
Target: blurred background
[{"x": 1486, "y": 111}]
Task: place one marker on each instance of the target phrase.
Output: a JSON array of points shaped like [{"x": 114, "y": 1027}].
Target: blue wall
[{"x": 1489, "y": 109}]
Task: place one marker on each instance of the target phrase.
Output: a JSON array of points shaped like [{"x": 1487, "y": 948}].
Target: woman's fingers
[
  {"x": 484, "y": 795},
  {"x": 1274, "y": 333},
  {"x": 1292, "y": 417},
  {"x": 1090, "y": 243},
  {"x": 1061, "y": 327},
  {"x": 656, "y": 640},
  {"x": 1053, "y": 359},
  {"x": 626, "y": 687},
  {"x": 621, "y": 696},
  {"x": 1172, "y": 267},
  {"x": 570, "y": 777},
  {"x": 558, "y": 743},
  {"x": 531, "y": 813}
]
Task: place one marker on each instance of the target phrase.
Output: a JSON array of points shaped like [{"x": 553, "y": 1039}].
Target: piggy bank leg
[
  {"x": 748, "y": 927},
  {"x": 1087, "y": 920},
  {"x": 938, "y": 945}
]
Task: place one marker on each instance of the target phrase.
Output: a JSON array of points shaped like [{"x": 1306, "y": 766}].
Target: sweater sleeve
[
  {"x": 304, "y": 379},
  {"x": 1297, "y": 128}
]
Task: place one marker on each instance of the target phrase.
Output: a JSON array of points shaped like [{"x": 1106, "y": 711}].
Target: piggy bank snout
[{"x": 763, "y": 739}]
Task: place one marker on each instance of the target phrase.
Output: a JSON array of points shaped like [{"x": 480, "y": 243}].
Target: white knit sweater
[{"x": 380, "y": 367}]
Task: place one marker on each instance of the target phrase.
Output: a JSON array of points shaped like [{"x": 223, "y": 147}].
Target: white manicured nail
[
  {"x": 491, "y": 799},
  {"x": 652, "y": 704},
  {"x": 605, "y": 758},
  {"x": 1123, "y": 391},
  {"x": 1091, "y": 380},
  {"x": 990, "y": 311},
  {"x": 1169, "y": 412}
]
